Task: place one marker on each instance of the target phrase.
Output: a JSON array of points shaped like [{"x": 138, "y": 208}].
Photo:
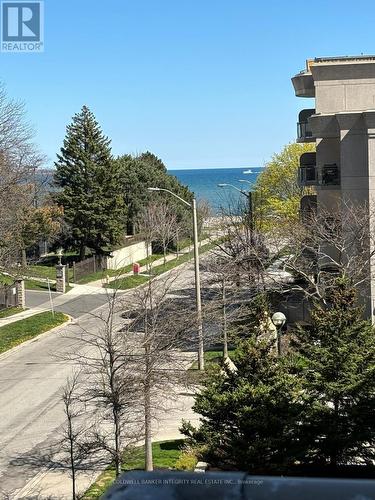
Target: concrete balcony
[
  {"x": 303, "y": 84},
  {"x": 330, "y": 175},
  {"x": 308, "y": 173},
  {"x": 304, "y": 131}
]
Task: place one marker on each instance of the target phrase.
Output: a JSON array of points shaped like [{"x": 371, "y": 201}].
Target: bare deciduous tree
[
  {"x": 328, "y": 244},
  {"x": 110, "y": 390},
  {"x": 159, "y": 225},
  {"x": 75, "y": 441},
  {"x": 164, "y": 330},
  {"x": 19, "y": 160}
]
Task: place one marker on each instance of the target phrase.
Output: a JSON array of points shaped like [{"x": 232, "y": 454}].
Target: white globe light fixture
[
  {"x": 278, "y": 319},
  {"x": 60, "y": 253}
]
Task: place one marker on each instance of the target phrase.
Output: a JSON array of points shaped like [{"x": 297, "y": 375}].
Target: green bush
[{"x": 187, "y": 461}]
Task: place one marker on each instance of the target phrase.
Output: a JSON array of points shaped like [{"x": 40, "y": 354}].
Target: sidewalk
[
  {"x": 145, "y": 269},
  {"x": 55, "y": 483},
  {"x": 58, "y": 300},
  {"x": 19, "y": 316}
]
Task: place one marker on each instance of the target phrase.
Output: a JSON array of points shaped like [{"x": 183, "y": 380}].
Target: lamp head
[
  {"x": 222, "y": 185},
  {"x": 278, "y": 319},
  {"x": 153, "y": 189}
]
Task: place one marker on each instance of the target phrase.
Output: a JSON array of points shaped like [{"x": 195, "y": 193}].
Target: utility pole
[
  {"x": 193, "y": 207},
  {"x": 198, "y": 287}
]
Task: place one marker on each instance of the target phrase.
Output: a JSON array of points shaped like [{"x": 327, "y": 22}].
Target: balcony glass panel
[{"x": 303, "y": 127}]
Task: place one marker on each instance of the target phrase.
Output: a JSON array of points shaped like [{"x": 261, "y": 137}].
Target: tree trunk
[
  {"x": 334, "y": 453},
  {"x": 148, "y": 418},
  {"x": 23, "y": 258},
  {"x": 148, "y": 263},
  {"x": 82, "y": 252},
  {"x": 225, "y": 333},
  {"x": 117, "y": 444},
  {"x": 72, "y": 464}
]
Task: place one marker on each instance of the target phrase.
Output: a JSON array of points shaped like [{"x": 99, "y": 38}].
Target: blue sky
[{"x": 201, "y": 83}]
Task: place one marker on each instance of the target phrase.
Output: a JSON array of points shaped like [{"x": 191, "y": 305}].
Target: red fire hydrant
[{"x": 136, "y": 268}]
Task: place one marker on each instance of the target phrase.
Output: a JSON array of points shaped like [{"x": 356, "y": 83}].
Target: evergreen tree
[
  {"x": 336, "y": 356},
  {"x": 90, "y": 186},
  {"x": 248, "y": 414},
  {"x": 253, "y": 318},
  {"x": 144, "y": 171}
]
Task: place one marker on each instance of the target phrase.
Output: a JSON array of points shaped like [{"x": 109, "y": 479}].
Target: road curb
[
  {"x": 37, "y": 337},
  {"x": 29, "y": 487},
  {"x": 142, "y": 285}
]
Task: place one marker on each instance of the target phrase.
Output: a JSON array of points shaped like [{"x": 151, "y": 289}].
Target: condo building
[{"x": 342, "y": 124}]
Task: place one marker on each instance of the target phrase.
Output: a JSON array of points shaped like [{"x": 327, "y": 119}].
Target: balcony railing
[
  {"x": 304, "y": 132},
  {"x": 308, "y": 175}
]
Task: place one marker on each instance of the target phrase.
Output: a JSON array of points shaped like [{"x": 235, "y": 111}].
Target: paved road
[
  {"x": 31, "y": 379},
  {"x": 73, "y": 304}
]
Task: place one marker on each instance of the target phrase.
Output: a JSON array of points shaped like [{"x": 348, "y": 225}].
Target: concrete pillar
[
  {"x": 356, "y": 147},
  {"x": 20, "y": 292},
  {"x": 60, "y": 278},
  {"x": 370, "y": 126}
]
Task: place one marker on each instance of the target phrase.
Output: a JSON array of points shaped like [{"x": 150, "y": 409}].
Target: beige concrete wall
[
  {"x": 344, "y": 87},
  {"x": 128, "y": 255},
  {"x": 328, "y": 151},
  {"x": 345, "y": 127}
]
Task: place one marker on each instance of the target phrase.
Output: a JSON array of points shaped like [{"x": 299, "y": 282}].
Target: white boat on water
[{"x": 249, "y": 171}]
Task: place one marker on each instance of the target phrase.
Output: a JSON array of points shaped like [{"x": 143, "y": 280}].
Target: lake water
[{"x": 204, "y": 184}]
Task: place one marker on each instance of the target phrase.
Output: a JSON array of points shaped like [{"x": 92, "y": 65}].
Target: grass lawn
[
  {"x": 181, "y": 260},
  {"x": 210, "y": 358},
  {"x": 41, "y": 272},
  {"x": 39, "y": 285},
  {"x": 165, "y": 454},
  {"x": 25, "y": 329},
  {"x": 29, "y": 284},
  {"x": 133, "y": 281},
  {"x": 10, "y": 311},
  {"x": 128, "y": 282},
  {"x": 45, "y": 272},
  {"x": 115, "y": 272}
]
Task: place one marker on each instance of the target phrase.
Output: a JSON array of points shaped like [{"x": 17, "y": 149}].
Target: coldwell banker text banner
[{"x": 22, "y": 26}]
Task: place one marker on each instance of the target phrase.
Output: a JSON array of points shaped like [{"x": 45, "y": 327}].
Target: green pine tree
[
  {"x": 252, "y": 318},
  {"x": 336, "y": 356},
  {"x": 90, "y": 186},
  {"x": 249, "y": 414},
  {"x": 144, "y": 171}
]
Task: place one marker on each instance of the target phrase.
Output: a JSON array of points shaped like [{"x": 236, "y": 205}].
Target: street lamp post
[
  {"x": 278, "y": 319},
  {"x": 193, "y": 207},
  {"x": 251, "y": 205},
  {"x": 59, "y": 254}
]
